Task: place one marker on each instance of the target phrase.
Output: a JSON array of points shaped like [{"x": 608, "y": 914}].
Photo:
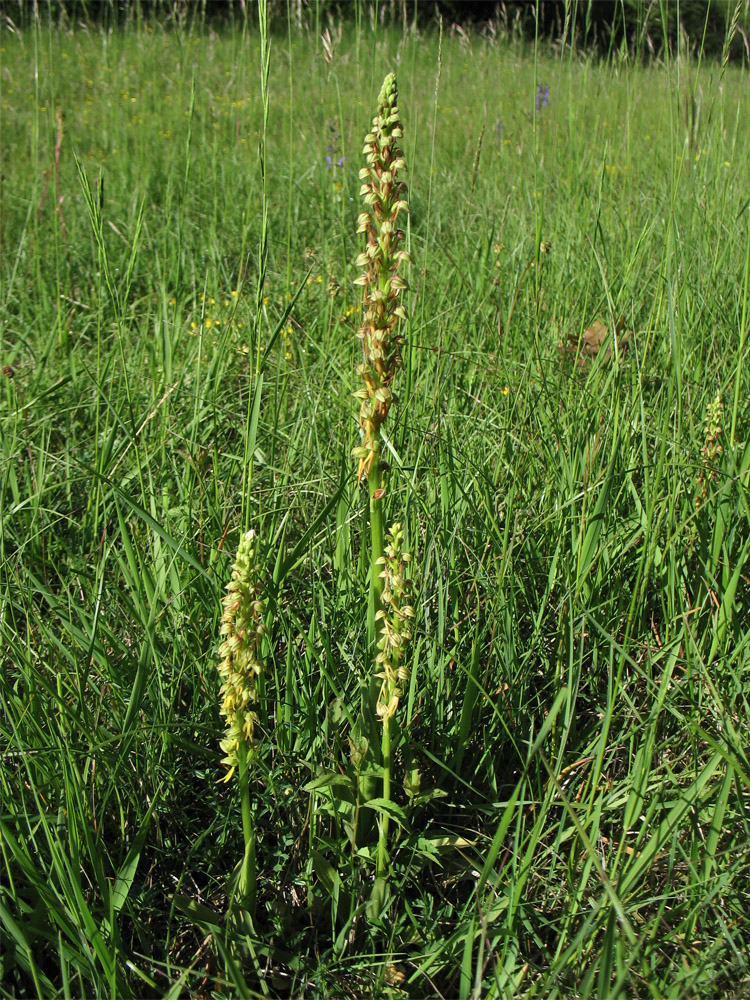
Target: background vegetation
[
  {"x": 644, "y": 27},
  {"x": 574, "y": 770}
]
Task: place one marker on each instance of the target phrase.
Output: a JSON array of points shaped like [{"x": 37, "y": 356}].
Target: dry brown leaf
[{"x": 594, "y": 339}]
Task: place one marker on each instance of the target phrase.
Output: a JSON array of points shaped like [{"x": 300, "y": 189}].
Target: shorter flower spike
[
  {"x": 242, "y": 630},
  {"x": 395, "y": 618}
]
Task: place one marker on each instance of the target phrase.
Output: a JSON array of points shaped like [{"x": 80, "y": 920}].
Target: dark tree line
[{"x": 646, "y": 27}]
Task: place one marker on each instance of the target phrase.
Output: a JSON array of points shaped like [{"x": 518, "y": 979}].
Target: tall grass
[{"x": 569, "y": 794}]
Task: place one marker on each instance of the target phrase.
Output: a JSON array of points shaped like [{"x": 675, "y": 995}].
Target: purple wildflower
[
  {"x": 333, "y": 149},
  {"x": 542, "y": 97}
]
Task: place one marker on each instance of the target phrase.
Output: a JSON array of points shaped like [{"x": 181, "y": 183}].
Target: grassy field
[{"x": 569, "y": 806}]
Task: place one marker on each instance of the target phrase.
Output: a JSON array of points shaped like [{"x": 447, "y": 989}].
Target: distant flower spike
[{"x": 712, "y": 449}]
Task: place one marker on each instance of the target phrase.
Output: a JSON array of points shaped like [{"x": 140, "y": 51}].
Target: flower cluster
[
  {"x": 242, "y": 630},
  {"x": 384, "y": 194},
  {"x": 542, "y": 98},
  {"x": 395, "y": 616},
  {"x": 215, "y": 316}
]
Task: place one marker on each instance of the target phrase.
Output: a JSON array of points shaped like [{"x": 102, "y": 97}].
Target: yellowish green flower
[
  {"x": 240, "y": 666},
  {"x": 384, "y": 196},
  {"x": 395, "y": 617}
]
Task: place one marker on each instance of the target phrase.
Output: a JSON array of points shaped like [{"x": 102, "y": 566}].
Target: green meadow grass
[{"x": 574, "y": 820}]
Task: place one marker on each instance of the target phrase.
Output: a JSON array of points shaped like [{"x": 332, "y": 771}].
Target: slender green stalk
[
  {"x": 377, "y": 533},
  {"x": 253, "y": 403},
  {"x": 247, "y": 883},
  {"x": 741, "y": 350},
  {"x": 382, "y": 862}
]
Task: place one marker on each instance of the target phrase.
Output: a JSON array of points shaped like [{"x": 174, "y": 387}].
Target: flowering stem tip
[{"x": 384, "y": 196}]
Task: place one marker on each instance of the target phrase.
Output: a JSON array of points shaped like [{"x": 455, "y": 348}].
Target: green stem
[
  {"x": 248, "y": 872},
  {"x": 377, "y": 535},
  {"x": 382, "y": 863},
  {"x": 377, "y": 543},
  {"x": 743, "y": 328}
]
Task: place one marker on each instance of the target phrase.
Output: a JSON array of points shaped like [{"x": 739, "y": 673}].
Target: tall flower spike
[
  {"x": 241, "y": 630},
  {"x": 384, "y": 196}
]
